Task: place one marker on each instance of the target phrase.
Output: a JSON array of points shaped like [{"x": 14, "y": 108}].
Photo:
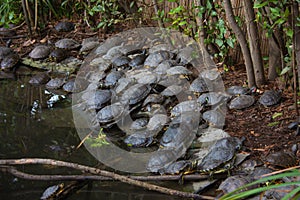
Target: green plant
[
  {"x": 268, "y": 184},
  {"x": 99, "y": 141},
  {"x": 10, "y": 12}
]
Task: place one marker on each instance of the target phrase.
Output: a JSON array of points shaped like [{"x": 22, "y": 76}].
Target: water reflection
[{"x": 29, "y": 128}]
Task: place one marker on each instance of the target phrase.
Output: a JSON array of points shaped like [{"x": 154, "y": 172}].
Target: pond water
[{"x": 30, "y": 129}]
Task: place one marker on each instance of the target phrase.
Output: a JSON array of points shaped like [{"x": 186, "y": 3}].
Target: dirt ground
[{"x": 253, "y": 123}]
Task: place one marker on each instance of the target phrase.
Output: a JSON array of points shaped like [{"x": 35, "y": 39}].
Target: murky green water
[{"x": 47, "y": 133}]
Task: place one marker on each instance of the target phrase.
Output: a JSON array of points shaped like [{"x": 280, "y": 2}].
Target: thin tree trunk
[
  {"x": 254, "y": 43},
  {"x": 242, "y": 41},
  {"x": 274, "y": 59}
]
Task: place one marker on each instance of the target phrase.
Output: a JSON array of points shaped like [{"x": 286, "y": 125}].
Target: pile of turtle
[{"x": 158, "y": 95}]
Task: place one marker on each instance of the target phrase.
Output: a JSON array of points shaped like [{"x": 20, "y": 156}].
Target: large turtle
[
  {"x": 40, "y": 52},
  {"x": 67, "y": 43},
  {"x": 270, "y": 98},
  {"x": 220, "y": 156},
  {"x": 241, "y": 102}
]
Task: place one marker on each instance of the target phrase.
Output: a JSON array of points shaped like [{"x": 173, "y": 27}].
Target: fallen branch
[
  {"x": 104, "y": 173},
  {"x": 189, "y": 177}
]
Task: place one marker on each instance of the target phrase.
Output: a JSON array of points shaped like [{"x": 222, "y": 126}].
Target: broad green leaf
[
  {"x": 285, "y": 70},
  {"x": 219, "y": 42}
]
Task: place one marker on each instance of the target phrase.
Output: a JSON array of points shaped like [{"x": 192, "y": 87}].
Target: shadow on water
[{"x": 29, "y": 128}]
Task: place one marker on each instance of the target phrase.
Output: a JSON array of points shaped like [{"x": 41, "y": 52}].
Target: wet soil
[{"x": 263, "y": 132}]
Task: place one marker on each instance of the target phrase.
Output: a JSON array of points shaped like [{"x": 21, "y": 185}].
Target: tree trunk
[
  {"x": 274, "y": 59},
  {"x": 242, "y": 41},
  {"x": 254, "y": 43}
]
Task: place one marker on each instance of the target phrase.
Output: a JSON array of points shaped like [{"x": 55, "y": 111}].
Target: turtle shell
[
  {"x": 270, "y": 98},
  {"x": 154, "y": 59},
  {"x": 110, "y": 113},
  {"x": 281, "y": 159},
  {"x": 135, "y": 93},
  {"x": 185, "y": 106},
  {"x": 199, "y": 85},
  {"x": 214, "y": 118},
  {"x": 234, "y": 182},
  {"x": 112, "y": 78},
  {"x": 220, "y": 154},
  {"x": 40, "y": 78},
  {"x": 241, "y": 102},
  {"x": 67, "y": 43},
  {"x": 121, "y": 61},
  {"x": 237, "y": 90},
  {"x": 139, "y": 139},
  {"x": 97, "y": 99},
  {"x": 178, "y": 70},
  {"x": 64, "y": 26},
  {"x": 9, "y": 61},
  {"x": 177, "y": 167},
  {"x": 55, "y": 83},
  {"x": 4, "y": 51},
  {"x": 213, "y": 98},
  {"x": 58, "y": 55},
  {"x": 40, "y": 52},
  {"x": 137, "y": 60}
]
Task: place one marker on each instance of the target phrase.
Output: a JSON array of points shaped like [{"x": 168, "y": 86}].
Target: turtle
[
  {"x": 210, "y": 74},
  {"x": 9, "y": 61},
  {"x": 199, "y": 85},
  {"x": 154, "y": 59},
  {"x": 242, "y": 101},
  {"x": 157, "y": 122},
  {"x": 55, "y": 83},
  {"x": 234, "y": 182},
  {"x": 172, "y": 90},
  {"x": 221, "y": 156},
  {"x": 177, "y": 167},
  {"x": 160, "y": 159},
  {"x": 144, "y": 77},
  {"x": 280, "y": 160},
  {"x": 213, "y": 98},
  {"x": 40, "y": 52},
  {"x": 176, "y": 136},
  {"x": 58, "y": 55},
  {"x": 112, "y": 78},
  {"x": 178, "y": 70},
  {"x": 186, "y": 106},
  {"x": 4, "y": 51},
  {"x": 75, "y": 85},
  {"x": 153, "y": 98},
  {"x": 270, "y": 97},
  {"x": 52, "y": 191},
  {"x": 67, "y": 43},
  {"x": 141, "y": 138},
  {"x": 214, "y": 118},
  {"x": 135, "y": 93},
  {"x": 122, "y": 84},
  {"x": 110, "y": 113},
  {"x": 121, "y": 61},
  {"x": 88, "y": 44},
  {"x": 163, "y": 67},
  {"x": 95, "y": 100},
  {"x": 237, "y": 90},
  {"x": 139, "y": 124},
  {"x": 64, "y": 26},
  {"x": 186, "y": 55},
  {"x": 8, "y": 31},
  {"x": 39, "y": 79},
  {"x": 137, "y": 60}
]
